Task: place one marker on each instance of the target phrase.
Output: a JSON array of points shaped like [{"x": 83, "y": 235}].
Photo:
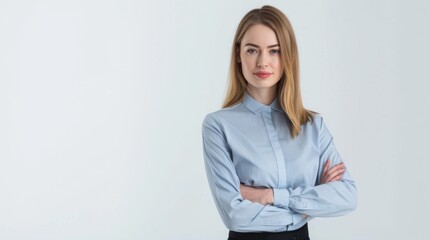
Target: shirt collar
[{"x": 257, "y": 107}]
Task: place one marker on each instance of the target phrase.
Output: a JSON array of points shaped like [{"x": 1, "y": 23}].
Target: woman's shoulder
[
  {"x": 317, "y": 118},
  {"x": 316, "y": 121},
  {"x": 224, "y": 114},
  {"x": 318, "y": 125}
]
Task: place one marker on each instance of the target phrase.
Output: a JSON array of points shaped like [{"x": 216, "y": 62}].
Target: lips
[{"x": 262, "y": 74}]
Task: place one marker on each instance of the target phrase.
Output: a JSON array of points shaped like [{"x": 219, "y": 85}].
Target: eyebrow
[{"x": 254, "y": 45}]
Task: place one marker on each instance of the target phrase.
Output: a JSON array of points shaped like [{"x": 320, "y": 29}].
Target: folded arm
[
  {"x": 334, "y": 194},
  {"x": 265, "y": 196},
  {"x": 237, "y": 213},
  {"x": 326, "y": 199}
]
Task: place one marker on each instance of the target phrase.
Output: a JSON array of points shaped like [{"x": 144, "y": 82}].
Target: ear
[{"x": 238, "y": 60}]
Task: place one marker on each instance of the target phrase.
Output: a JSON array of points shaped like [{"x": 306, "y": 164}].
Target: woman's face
[{"x": 260, "y": 58}]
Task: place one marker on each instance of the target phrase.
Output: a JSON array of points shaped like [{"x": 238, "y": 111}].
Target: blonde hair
[{"x": 288, "y": 88}]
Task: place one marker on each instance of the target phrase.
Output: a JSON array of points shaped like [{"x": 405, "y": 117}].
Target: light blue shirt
[{"x": 250, "y": 143}]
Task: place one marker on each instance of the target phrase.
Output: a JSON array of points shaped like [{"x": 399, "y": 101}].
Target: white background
[{"x": 101, "y": 104}]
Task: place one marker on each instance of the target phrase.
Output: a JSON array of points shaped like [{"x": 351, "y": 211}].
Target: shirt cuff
[
  {"x": 299, "y": 220},
  {"x": 281, "y": 198}
]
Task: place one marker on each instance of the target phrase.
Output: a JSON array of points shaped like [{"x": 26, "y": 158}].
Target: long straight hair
[{"x": 288, "y": 88}]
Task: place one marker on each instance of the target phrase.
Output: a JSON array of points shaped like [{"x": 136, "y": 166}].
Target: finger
[
  {"x": 332, "y": 173},
  {"x": 327, "y": 165},
  {"x": 336, "y": 178},
  {"x": 335, "y": 174},
  {"x": 326, "y": 168},
  {"x": 336, "y": 168},
  {"x": 325, "y": 171}
]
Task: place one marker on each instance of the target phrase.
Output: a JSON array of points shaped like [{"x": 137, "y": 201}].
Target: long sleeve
[
  {"x": 250, "y": 143},
  {"x": 323, "y": 200},
  {"x": 237, "y": 214}
]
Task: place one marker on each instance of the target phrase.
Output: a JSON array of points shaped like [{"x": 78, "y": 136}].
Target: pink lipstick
[{"x": 262, "y": 74}]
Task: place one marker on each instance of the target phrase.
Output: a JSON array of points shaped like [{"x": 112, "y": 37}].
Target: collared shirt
[{"x": 250, "y": 143}]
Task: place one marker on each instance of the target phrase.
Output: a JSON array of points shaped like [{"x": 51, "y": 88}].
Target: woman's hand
[
  {"x": 263, "y": 196},
  {"x": 333, "y": 174}
]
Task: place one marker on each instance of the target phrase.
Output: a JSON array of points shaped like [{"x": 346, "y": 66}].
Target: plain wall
[{"x": 101, "y": 104}]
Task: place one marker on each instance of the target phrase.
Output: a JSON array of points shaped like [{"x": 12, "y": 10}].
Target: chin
[{"x": 265, "y": 84}]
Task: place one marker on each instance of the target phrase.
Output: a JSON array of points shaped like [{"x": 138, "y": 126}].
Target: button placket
[{"x": 275, "y": 143}]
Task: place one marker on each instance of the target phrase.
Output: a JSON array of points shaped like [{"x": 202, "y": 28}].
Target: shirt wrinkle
[{"x": 291, "y": 166}]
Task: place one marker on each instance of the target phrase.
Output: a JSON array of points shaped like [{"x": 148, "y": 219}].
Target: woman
[{"x": 268, "y": 159}]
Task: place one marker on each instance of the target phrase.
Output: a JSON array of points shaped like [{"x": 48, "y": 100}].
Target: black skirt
[{"x": 299, "y": 234}]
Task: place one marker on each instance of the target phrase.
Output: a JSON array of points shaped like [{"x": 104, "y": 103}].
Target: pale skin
[{"x": 260, "y": 53}]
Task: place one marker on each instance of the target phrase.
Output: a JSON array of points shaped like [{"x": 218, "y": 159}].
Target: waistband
[{"x": 298, "y": 234}]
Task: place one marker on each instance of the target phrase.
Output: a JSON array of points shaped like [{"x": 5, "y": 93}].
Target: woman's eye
[
  {"x": 275, "y": 51},
  {"x": 251, "y": 51}
]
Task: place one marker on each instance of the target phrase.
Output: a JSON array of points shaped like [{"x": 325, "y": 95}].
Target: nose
[{"x": 262, "y": 60}]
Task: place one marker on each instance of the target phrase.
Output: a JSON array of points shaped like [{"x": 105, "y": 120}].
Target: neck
[{"x": 265, "y": 96}]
